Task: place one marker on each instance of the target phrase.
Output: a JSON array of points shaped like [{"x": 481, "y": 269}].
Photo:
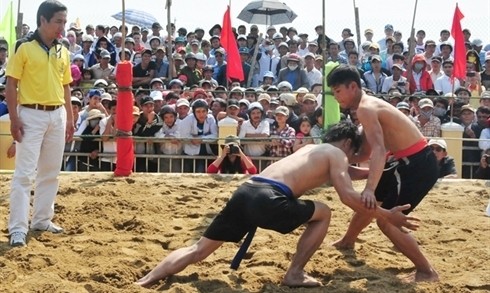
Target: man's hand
[
  {"x": 70, "y": 129},
  {"x": 368, "y": 198},
  {"x": 17, "y": 129},
  {"x": 11, "y": 151},
  {"x": 400, "y": 220}
]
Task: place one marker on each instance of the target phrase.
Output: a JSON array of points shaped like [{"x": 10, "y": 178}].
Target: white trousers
[{"x": 41, "y": 150}]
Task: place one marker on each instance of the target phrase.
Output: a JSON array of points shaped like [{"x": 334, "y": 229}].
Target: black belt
[{"x": 42, "y": 107}]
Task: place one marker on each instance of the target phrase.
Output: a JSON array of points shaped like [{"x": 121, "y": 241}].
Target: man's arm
[
  {"x": 70, "y": 128},
  {"x": 16, "y": 127},
  {"x": 341, "y": 181},
  {"x": 374, "y": 135}
]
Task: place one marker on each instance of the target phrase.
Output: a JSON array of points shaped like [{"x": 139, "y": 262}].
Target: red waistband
[{"x": 411, "y": 150}]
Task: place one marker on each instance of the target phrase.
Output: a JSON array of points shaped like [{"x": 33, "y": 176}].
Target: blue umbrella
[{"x": 137, "y": 17}]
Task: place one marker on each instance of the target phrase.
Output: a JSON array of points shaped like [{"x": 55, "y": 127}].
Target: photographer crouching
[
  {"x": 483, "y": 171},
  {"x": 232, "y": 159}
]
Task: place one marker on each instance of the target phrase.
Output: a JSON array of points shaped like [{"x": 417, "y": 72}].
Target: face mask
[
  {"x": 471, "y": 59},
  {"x": 137, "y": 60},
  {"x": 270, "y": 48},
  {"x": 439, "y": 112},
  {"x": 292, "y": 67},
  {"x": 418, "y": 66},
  {"x": 426, "y": 114},
  {"x": 94, "y": 123}
]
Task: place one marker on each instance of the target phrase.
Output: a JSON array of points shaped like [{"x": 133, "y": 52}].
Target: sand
[{"x": 117, "y": 229}]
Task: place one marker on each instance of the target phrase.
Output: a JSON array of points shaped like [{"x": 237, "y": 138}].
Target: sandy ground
[{"x": 117, "y": 229}]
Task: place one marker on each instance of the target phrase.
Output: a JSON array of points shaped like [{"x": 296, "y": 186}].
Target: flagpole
[
  {"x": 358, "y": 26},
  {"x": 410, "y": 43},
  {"x": 123, "y": 55},
  {"x": 169, "y": 40}
]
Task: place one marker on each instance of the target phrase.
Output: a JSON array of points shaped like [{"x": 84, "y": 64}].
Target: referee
[{"x": 39, "y": 103}]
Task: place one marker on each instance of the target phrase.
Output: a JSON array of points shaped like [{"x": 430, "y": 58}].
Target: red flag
[
  {"x": 459, "y": 70},
  {"x": 234, "y": 69}
]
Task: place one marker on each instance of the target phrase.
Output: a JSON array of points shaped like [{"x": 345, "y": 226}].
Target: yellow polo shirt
[{"x": 41, "y": 74}]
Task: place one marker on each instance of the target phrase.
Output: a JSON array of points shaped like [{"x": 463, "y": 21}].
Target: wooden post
[
  {"x": 254, "y": 60},
  {"x": 170, "y": 57}
]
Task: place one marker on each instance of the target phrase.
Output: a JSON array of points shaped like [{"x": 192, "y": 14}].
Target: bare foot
[
  {"x": 343, "y": 244},
  {"x": 300, "y": 280},
  {"x": 146, "y": 282},
  {"x": 418, "y": 276}
]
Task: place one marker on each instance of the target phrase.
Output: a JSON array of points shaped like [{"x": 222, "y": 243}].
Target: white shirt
[
  {"x": 444, "y": 84},
  {"x": 188, "y": 129},
  {"x": 314, "y": 76},
  {"x": 484, "y": 143},
  {"x": 167, "y": 147},
  {"x": 388, "y": 82},
  {"x": 109, "y": 147},
  {"x": 251, "y": 149}
]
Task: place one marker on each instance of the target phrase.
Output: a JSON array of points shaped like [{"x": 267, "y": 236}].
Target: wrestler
[
  {"x": 270, "y": 201},
  {"x": 404, "y": 178}
]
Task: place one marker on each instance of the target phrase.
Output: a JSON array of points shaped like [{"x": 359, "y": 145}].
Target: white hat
[
  {"x": 94, "y": 113},
  {"x": 101, "y": 81},
  {"x": 182, "y": 102},
  {"x": 156, "y": 95},
  {"x": 288, "y": 99},
  {"x": 440, "y": 142},
  {"x": 105, "y": 96}
]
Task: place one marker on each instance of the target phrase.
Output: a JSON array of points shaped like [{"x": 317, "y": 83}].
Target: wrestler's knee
[{"x": 322, "y": 211}]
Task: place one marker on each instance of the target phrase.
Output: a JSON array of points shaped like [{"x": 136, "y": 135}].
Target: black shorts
[
  {"x": 407, "y": 180},
  {"x": 258, "y": 205}
]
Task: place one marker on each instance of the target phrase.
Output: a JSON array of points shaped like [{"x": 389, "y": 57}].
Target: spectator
[
  {"x": 483, "y": 171},
  {"x": 472, "y": 130},
  {"x": 388, "y": 33},
  {"x": 473, "y": 84},
  {"x": 484, "y": 143},
  {"x": 94, "y": 102},
  {"x": 375, "y": 77},
  {"x": 420, "y": 79},
  {"x": 463, "y": 95},
  {"x": 293, "y": 73},
  {"x": 445, "y": 84},
  {"x": 308, "y": 105},
  {"x": 396, "y": 81},
  {"x": 172, "y": 146},
  {"x": 303, "y": 136},
  {"x": 161, "y": 65},
  {"x": 435, "y": 70},
  {"x": 428, "y": 124},
  {"x": 333, "y": 53},
  {"x": 441, "y": 105},
  {"x": 317, "y": 129},
  {"x": 157, "y": 98},
  {"x": 256, "y": 127},
  {"x": 147, "y": 125},
  {"x": 282, "y": 134},
  {"x": 87, "y": 52},
  {"x": 232, "y": 111},
  {"x": 182, "y": 107},
  {"x": 314, "y": 75},
  {"x": 289, "y": 100},
  {"x": 232, "y": 159},
  {"x": 190, "y": 70},
  {"x": 88, "y": 144},
  {"x": 144, "y": 72},
  {"x": 485, "y": 74},
  {"x": 445, "y": 163},
  {"x": 485, "y": 99},
  {"x": 196, "y": 128},
  {"x": 267, "y": 60},
  {"x": 404, "y": 108},
  {"x": 107, "y": 129}
]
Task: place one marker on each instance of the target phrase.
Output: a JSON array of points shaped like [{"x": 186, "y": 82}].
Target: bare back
[
  {"x": 307, "y": 168},
  {"x": 399, "y": 132}
]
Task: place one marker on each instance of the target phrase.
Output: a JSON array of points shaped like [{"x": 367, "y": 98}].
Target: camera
[
  {"x": 401, "y": 83},
  {"x": 487, "y": 159},
  {"x": 234, "y": 149}
]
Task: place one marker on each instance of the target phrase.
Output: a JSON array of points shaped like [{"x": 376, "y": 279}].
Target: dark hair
[
  {"x": 343, "y": 74},
  {"x": 483, "y": 110},
  {"x": 205, "y": 43},
  {"x": 171, "y": 95},
  {"x": 49, "y": 8},
  {"x": 100, "y": 27},
  {"x": 112, "y": 103},
  {"x": 304, "y": 118},
  {"x": 352, "y": 53},
  {"x": 399, "y": 44},
  {"x": 228, "y": 167},
  {"x": 443, "y": 101},
  {"x": 344, "y": 130}
]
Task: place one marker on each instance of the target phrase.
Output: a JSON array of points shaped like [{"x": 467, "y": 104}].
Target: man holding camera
[
  {"x": 483, "y": 171},
  {"x": 232, "y": 159}
]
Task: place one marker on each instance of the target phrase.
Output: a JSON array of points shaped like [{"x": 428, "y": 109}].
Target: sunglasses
[{"x": 437, "y": 149}]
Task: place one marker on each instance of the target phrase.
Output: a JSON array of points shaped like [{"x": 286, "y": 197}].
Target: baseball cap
[
  {"x": 146, "y": 100},
  {"x": 244, "y": 50},
  {"x": 368, "y": 31},
  {"x": 156, "y": 79},
  {"x": 264, "y": 97},
  {"x": 467, "y": 107},
  {"x": 426, "y": 102},
  {"x": 156, "y": 25},
  {"x": 485, "y": 95},
  {"x": 288, "y": 99},
  {"x": 232, "y": 103},
  {"x": 403, "y": 105},
  {"x": 76, "y": 101},
  {"x": 156, "y": 96},
  {"x": 477, "y": 42},
  {"x": 101, "y": 82},
  {"x": 285, "y": 84},
  {"x": 282, "y": 110},
  {"x": 309, "y": 97},
  {"x": 376, "y": 57},
  {"x": 182, "y": 102},
  {"x": 388, "y": 27},
  {"x": 94, "y": 114},
  {"x": 396, "y": 65},
  {"x": 105, "y": 54},
  {"x": 439, "y": 142},
  {"x": 106, "y": 97}
]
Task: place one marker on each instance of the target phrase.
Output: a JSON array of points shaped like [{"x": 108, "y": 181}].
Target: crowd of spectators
[{"x": 181, "y": 94}]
